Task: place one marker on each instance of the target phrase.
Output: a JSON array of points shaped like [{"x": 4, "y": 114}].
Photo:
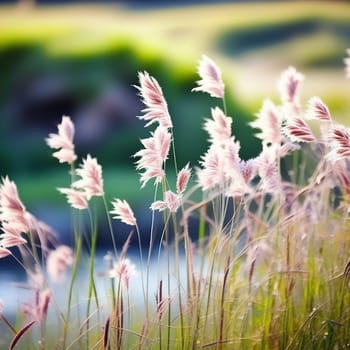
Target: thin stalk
[
  {"x": 92, "y": 286},
  {"x": 222, "y": 304},
  {"x": 141, "y": 264},
  {"x": 78, "y": 246},
  {"x": 113, "y": 242},
  {"x": 174, "y": 152},
  {"x": 159, "y": 309},
  {"x": 224, "y": 105},
  {"x": 149, "y": 256},
  {"x": 110, "y": 225},
  {"x": 169, "y": 293},
  {"x": 8, "y": 324},
  {"x": 177, "y": 273}
]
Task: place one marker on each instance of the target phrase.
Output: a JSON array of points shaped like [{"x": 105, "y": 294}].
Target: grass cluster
[{"x": 268, "y": 268}]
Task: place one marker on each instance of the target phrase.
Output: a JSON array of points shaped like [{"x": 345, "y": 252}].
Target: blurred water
[{"x": 14, "y": 283}]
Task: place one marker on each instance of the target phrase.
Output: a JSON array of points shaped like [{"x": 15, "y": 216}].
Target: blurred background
[{"x": 81, "y": 59}]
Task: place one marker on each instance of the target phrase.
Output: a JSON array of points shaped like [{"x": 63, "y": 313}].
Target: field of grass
[{"x": 266, "y": 267}]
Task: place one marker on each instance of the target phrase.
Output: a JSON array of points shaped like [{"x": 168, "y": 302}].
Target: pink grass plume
[
  {"x": 37, "y": 309},
  {"x": 76, "y": 198},
  {"x": 58, "y": 262},
  {"x": 123, "y": 212},
  {"x": 13, "y": 213},
  {"x": 212, "y": 172},
  {"x": 4, "y": 252},
  {"x": 289, "y": 85},
  {"x": 269, "y": 121},
  {"x": 123, "y": 270},
  {"x": 156, "y": 106},
  {"x": 8, "y": 240},
  {"x": 297, "y": 130},
  {"x": 63, "y": 141},
  {"x": 211, "y": 81},
  {"x": 91, "y": 181},
  {"x": 172, "y": 201},
  {"x": 267, "y": 163},
  {"x": 339, "y": 143},
  {"x": 317, "y": 109},
  {"x": 153, "y": 155},
  {"x": 219, "y": 127},
  {"x": 182, "y": 179}
]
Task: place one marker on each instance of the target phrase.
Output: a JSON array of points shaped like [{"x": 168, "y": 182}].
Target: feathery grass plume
[
  {"x": 156, "y": 106},
  {"x": 338, "y": 142},
  {"x": 219, "y": 127},
  {"x": 289, "y": 86},
  {"x": 16, "y": 220},
  {"x": 76, "y": 198},
  {"x": 123, "y": 270},
  {"x": 341, "y": 170},
  {"x": 13, "y": 214},
  {"x": 212, "y": 172},
  {"x": 236, "y": 184},
  {"x": 91, "y": 181},
  {"x": 172, "y": 201},
  {"x": 240, "y": 176},
  {"x": 90, "y": 184},
  {"x": 182, "y": 179},
  {"x": 347, "y": 64},
  {"x": 222, "y": 153},
  {"x": 153, "y": 156},
  {"x": 211, "y": 81},
  {"x": 58, "y": 261},
  {"x": 248, "y": 169},
  {"x": 8, "y": 240},
  {"x": 268, "y": 171},
  {"x": 63, "y": 141},
  {"x": 4, "y": 252},
  {"x": 317, "y": 109},
  {"x": 123, "y": 212},
  {"x": 297, "y": 130},
  {"x": 269, "y": 121},
  {"x": 37, "y": 309}
]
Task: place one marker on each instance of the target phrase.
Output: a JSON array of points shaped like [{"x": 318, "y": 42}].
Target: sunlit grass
[
  {"x": 243, "y": 262},
  {"x": 267, "y": 266}
]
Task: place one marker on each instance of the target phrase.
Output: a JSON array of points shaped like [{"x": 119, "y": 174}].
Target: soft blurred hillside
[{"x": 83, "y": 61}]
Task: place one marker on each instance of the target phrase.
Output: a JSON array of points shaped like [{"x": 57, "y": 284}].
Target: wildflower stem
[
  {"x": 149, "y": 256},
  {"x": 78, "y": 245},
  {"x": 178, "y": 277},
  {"x": 110, "y": 225},
  {"x": 174, "y": 151},
  {"x": 224, "y": 105},
  {"x": 8, "y": 324},
  {"x": 92, "y": 286}
]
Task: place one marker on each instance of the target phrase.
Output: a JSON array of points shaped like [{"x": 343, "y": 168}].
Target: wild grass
[{"x": 253, "y": 254}]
